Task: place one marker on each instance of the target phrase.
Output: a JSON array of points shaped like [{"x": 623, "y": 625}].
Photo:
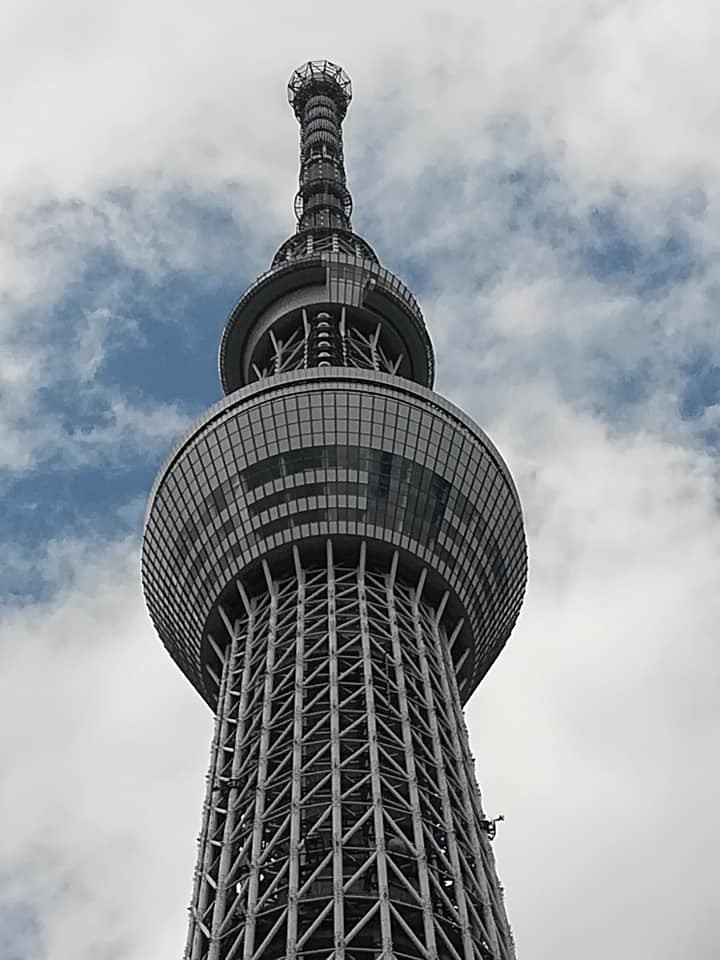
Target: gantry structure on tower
[{"x": 334, "y": 556}]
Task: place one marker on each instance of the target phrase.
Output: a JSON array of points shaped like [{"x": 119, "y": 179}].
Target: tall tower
[{"x": 334, "y": 556}]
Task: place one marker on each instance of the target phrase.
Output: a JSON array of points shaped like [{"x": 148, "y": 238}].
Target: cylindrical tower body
[{"x": 334, "y": 556}]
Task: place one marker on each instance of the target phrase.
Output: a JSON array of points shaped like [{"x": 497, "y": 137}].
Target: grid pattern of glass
[
  {"x": 344, "y": 454},
  {"x": 342, "y": 818}
]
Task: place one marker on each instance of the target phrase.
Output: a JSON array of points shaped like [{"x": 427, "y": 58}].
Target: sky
[{"x": 544, "y": 176}]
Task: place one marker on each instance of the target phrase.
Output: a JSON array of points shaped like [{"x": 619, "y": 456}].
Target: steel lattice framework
[
  {"x": 334, "y": 556},
  {"x": 342, "y": 813}
]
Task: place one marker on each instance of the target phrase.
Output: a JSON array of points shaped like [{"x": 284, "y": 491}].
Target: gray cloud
[{"x": 596, "y": 731}]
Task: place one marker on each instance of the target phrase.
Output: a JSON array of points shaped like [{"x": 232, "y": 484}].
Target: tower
[{"x": 334, "y": 556}]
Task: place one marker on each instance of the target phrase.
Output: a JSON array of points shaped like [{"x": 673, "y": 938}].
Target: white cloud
[
  {"x": 595, "y": 728},
  {"x": 124, "y": 429},
  {"x": 595, "y": 732},
  {"x": 619, "y": 89},
  {"x": 46, "y": 253},
  {"x": 102, "y": 765},
  {"x": 98, "y": 330}
]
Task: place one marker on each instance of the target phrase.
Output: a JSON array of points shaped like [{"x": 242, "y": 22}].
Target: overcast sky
[{"x": 544, "y": 174}]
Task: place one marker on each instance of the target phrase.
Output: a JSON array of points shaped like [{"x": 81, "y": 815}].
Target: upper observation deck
[
  {"x": 362, "y": 300},
  {"x": 324, "y": 268}
]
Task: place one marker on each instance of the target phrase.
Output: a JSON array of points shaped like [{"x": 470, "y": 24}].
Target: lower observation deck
[{"x": 335, "y": 453}]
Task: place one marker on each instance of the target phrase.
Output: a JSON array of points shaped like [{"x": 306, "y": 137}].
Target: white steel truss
[
  {"x": 327, "y": 339},
  {"x": 342, "y": 819}
]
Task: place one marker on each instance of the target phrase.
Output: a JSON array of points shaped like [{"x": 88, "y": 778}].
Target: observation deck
[
  {"x": 353, "y": 291},
  {"x": 343, "y": 454}
]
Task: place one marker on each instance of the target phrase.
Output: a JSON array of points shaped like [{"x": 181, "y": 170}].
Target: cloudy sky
[{"x": 544, "y": 175}]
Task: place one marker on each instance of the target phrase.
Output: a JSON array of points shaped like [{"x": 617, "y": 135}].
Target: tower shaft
[
  {"x": 342, "y": 817},
  {"x": 334, "y": 556}
]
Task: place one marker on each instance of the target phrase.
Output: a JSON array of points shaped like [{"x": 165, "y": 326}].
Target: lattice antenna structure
[
  {"x": 319, "y": 93},
  {"x": 334, "y": 556}
]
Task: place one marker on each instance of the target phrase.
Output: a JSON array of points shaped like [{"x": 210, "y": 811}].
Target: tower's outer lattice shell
[{"x": 334, "y": 556}]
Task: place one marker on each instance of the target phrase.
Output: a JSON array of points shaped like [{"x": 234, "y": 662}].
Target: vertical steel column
[
  {"x": 306, "y": 339},
  {"x": 297, "y": 747},
  {"x": 471, "y": 802},
  {"x": 335, "y": 756},
  {"x": 418, "y": 837},
  {"x": 442, "y": 780},
  {"x": 501, "y": 935},
  {"x": 343, "y": 335},
  {"x": 224, "y": 918},
  {"x": 251, "y": 920},
  {"x": 230, "y": 742},
  {"x": 375, "y": 770},
  {"x": 201, "y": 899}
]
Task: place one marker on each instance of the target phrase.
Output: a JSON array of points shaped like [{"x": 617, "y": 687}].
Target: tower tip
[{"x": 319, "y": 77}]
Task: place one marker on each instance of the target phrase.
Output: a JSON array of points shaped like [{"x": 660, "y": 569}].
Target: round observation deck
[
  {"x": 342, "y": 454},
  {"x": 325, "y": 282}
]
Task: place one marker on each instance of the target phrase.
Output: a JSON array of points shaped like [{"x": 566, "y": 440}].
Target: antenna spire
[{"x": 319, "y": 92}]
